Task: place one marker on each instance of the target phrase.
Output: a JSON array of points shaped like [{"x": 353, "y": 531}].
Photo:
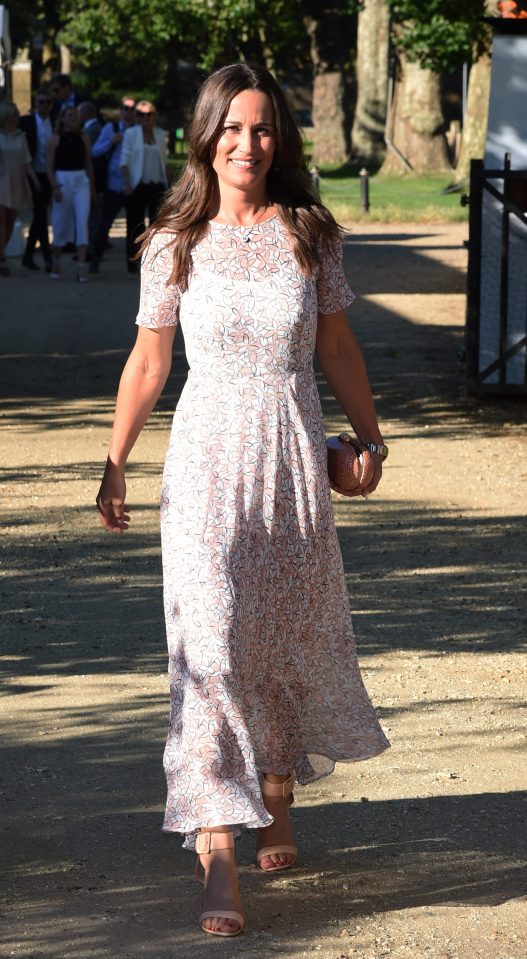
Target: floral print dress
[{"x": 262, "y": 660}]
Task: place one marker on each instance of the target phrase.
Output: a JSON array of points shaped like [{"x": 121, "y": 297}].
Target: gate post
[{"x": 475, "y": 201}]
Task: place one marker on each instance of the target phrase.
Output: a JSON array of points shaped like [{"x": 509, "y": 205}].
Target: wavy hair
[{"x": 187, "y": 207}]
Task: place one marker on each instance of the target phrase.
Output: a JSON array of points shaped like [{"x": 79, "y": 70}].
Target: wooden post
[{"x": 21, "y": 81}]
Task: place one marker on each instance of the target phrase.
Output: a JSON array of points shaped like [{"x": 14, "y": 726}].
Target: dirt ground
[{"x": 419, "y": 854}]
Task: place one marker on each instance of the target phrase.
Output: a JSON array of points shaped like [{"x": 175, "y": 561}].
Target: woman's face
[
  {"x": 243, "y": 154},
  {"x": 145, "y": 116},
  {"x": 71, "y": 119}
]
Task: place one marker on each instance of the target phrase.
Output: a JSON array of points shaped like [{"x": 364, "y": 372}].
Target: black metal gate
[{"x": 496, "y": 322}]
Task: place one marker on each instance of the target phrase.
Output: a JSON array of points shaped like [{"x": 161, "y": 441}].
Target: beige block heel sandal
[
  {"x": 206, "y": 844},
  {"x": 282, "y": 790}
]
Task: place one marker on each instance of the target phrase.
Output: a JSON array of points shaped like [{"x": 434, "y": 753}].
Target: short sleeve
[
  {"x": 158, "y": 303},
  {"x": 333, "y": 290}
]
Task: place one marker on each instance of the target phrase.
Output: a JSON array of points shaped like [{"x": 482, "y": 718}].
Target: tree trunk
[
  {"x": 367, "y": 138},
  {"x": 475, "y": 126},
  {"x": 416, "y": 127},
  {"x": 65, "y": 59},
  {"x": 267, "y": 53},
  {"x": 327, "y": 34}
]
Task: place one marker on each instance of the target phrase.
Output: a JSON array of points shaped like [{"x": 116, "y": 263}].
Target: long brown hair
[{"x": 186, "y": 209}]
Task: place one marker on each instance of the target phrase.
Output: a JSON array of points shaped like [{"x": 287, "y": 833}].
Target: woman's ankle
[
  {"x": 216, "y": 829},
  {"x": 276, "y": 780}
]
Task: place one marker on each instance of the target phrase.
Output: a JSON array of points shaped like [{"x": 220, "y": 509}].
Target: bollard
[
  {"x": 315, "y": 179},
  {"x": 364, "y": 190}
]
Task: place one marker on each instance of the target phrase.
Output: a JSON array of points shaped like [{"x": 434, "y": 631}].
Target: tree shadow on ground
[
  {"x": 392, "y": 264},
  {"x": 356, "y": 859},
  {"x": 420, "y": 578}
]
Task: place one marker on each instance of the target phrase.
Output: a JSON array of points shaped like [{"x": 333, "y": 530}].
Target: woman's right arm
[
  {"x": 142, "y": 382},
  {"x": 50, "y": 170}
]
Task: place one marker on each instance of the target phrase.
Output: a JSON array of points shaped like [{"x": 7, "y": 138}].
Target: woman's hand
[
  {"x": 113, "y": 512},
  {"x": 342, "y": 364},
  {"x": 377, "y": 474}
]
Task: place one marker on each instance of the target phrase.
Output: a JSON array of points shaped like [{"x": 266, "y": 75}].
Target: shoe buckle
[{"x": 203, "y": 843}]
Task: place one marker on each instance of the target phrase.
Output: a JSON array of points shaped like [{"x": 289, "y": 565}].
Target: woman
[
  {"x": 70, "y": 173},
  {"x": 145, "y": 174},
  {"x": 265, "y": 685},
  {"x": 15, "y": 168}
]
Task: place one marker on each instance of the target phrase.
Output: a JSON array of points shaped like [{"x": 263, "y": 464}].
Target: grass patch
[{"x": 404, "y": 199}]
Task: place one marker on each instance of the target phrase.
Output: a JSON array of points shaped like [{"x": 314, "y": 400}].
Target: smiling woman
[{"x": 265, "y": 685}]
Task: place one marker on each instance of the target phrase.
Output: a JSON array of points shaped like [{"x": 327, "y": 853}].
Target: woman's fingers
[
  {"x": 376, "y": 478},
  {"x": 114, "y": 515}
]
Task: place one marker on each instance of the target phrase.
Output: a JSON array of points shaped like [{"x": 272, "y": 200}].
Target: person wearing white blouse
[{"x": 145, "y": 174}]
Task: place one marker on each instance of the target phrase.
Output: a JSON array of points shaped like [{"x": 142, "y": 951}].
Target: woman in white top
[
  {"x": 15, "y": 168},
  {"x": 145, "y": 174}
]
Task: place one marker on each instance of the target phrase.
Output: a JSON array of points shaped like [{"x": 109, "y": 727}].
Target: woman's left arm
[
  {"x": 88, "y": 166},
  {"x": 343, "y": 366}
]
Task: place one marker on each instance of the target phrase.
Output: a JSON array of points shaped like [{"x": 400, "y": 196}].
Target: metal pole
[
  {"x": 315, "y": 179},
  {"x": 364, "y": 180},
  {"x": 504, "y": 279}
]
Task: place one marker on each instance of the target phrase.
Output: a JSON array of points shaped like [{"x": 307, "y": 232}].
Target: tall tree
[
  {"x": 426, "y": 44},
  {"x": 373, "y": 40},
  {"x": 328, "y": 26},
  {"x": 477, "y": 111}
]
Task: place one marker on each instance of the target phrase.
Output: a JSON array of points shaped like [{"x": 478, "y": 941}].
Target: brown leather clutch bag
[{"x": 350, "y": 467}]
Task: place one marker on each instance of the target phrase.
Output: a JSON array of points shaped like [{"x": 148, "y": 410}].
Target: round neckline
[{"x": 243, "y": 226}]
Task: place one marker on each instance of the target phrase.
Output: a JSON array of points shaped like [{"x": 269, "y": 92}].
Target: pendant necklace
[
  {"x": 247, "y": 235},
  {"x": 247, "y": 230}
]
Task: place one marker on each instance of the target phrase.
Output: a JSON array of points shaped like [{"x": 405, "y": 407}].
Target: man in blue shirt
[{"x": 109, "y": 144}]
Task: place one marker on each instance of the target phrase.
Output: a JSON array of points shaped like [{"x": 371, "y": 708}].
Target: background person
[
  {"x": 144, "y": 170},
  {"x": 15, "y": 170},
  {"x": 38, "y": 129},
  {"x": 264, "y": 680},
  {"x": 91, "y": 126},
  {"x": 64, "y": 95},
  {"x": 70, "y": 174},
  {"x": 109, "y": 144}
]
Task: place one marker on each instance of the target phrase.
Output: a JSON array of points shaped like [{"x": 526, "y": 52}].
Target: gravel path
[{"x": 418, "y": 854}]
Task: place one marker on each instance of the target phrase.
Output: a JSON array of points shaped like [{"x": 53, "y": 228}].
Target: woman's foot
[
  {"x": 55, "y": 273},
  {"x": 222, "y": 910},
  {"x": 276, "y": 848}
]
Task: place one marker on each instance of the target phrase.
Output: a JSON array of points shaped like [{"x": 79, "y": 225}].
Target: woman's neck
[{"x": 237, "y": 208}]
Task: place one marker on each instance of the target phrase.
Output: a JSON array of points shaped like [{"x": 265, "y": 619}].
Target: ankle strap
[
  {"x": 283, "y": 789},
  {"x": 209, "y": 841}
]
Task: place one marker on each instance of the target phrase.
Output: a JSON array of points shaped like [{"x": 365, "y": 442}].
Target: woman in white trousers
[{"x": 70, "y": 173}]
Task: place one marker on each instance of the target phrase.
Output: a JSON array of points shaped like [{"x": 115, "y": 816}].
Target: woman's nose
[{"x": 247, "y": 139}]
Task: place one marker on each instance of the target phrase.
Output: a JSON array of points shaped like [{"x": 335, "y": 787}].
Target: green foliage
[
  {"x": 441, "y": 34},
  {"x": 140, "y": 38}
]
